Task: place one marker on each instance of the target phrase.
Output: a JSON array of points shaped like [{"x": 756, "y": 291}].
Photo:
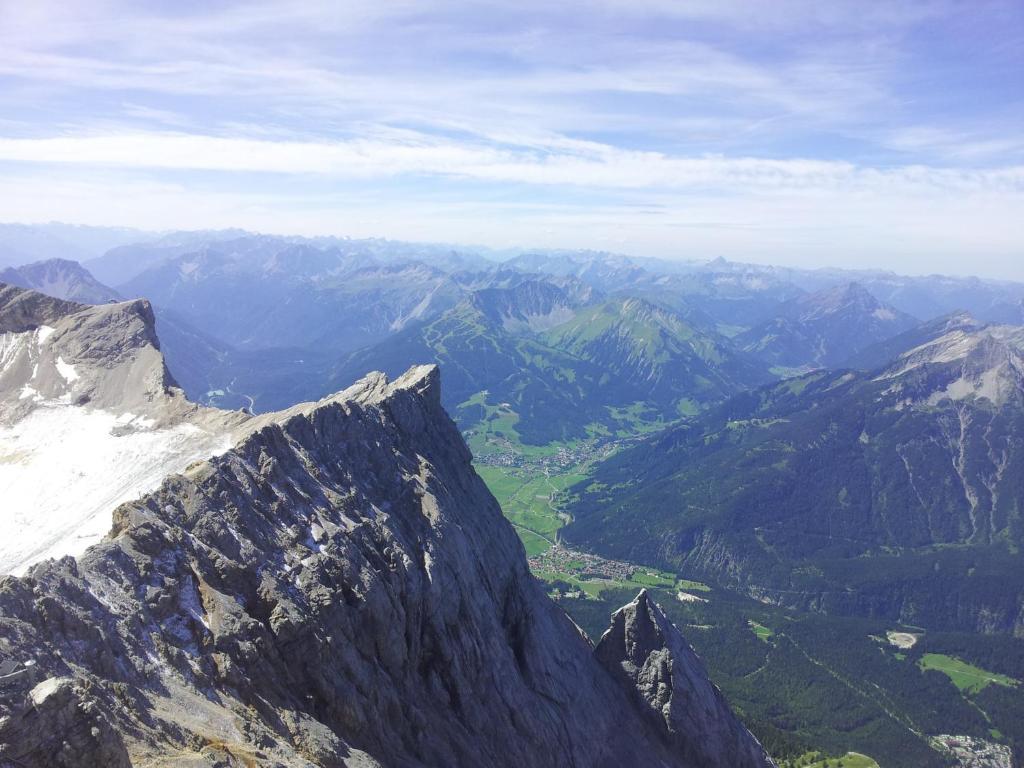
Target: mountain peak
[
  {"x": 850, "y": 295},
  {"x": 106, "y": 356},
  {"x": 962, "y": 319},
  {"x": 60, "y": 278},
  {"x": 825, "y": 328},
  {"x": 89, "y": 417},
  {"x": 338, "y": 587},
  {"x": 651, "y": 658},
  {"x": 986, "y": 362},
  {"x": 422, "y": 382},
  {"x": 529, "y": 305},
  {"x": 25, "y": 310}
]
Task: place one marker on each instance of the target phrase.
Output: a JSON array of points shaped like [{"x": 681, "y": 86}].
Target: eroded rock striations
[
  {"x": 660, "y": 669},
  {"x": 339, "y": 588}
]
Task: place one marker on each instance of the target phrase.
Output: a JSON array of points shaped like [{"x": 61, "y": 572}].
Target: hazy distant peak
[
  {"x": 961, "y": 319},
  {"x": 532, "y": 304},
  {"x": 61, "y": 278},
  {"x": 963, "y": 342},
  {"x": 850, "y": 295}
]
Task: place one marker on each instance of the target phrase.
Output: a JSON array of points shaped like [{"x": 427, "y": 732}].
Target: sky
[{"x": 800, "y": 132}]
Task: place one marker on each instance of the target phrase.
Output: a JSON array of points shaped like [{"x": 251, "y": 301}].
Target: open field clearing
[
  {"x": 816, "y": 760},
  {"x": 966, "y": 677}
]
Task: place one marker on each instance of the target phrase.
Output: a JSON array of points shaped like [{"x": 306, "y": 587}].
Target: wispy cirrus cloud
[
  {"x": 797, "y": 120},
  {"x": 567, "y": 70},
  {"x": 553, "y": 162}
]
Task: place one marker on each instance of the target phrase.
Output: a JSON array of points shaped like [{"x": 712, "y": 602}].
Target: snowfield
[{"x": 64, "y": 469}]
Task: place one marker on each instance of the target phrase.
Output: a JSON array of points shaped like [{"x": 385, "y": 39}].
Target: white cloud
[
  {"x": 910, "y": 221},
  {"x": 542, "y": 162},
  {"x": 673, "y": 128},
  {"x": 500, "y": 63}
]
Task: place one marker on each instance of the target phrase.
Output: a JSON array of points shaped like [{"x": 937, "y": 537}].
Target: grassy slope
[
  {"x": 817, "y": 760},
  {"x": 966, "y": 677}
]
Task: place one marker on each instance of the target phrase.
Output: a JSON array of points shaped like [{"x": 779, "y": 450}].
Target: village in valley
[{"x": 972, "y": 752}]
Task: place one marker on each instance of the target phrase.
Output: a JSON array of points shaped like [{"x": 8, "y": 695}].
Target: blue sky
[{"x": 798, "y": 132}]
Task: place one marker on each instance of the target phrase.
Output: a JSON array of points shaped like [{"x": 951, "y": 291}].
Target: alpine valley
[{"x": 322, "y": 501}]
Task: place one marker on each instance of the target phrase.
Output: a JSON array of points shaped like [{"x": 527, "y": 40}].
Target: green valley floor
[{"x": 819, "y": 691}]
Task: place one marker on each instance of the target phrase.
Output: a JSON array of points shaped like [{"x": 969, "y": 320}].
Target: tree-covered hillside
[
  {"x": 566, "y": 368},
  {"x": 894, "y": 493}
]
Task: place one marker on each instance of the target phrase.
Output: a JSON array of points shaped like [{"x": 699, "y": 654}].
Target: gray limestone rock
[
  {"x": 656, "y": 665},
  {"x": 338, "y": 589},
  {"x": 58, "y": 724}
]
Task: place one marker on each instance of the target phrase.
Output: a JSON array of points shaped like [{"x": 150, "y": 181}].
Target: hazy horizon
[
  {"x": 503, "y": 254},
  {"x": 804, "y": 134}
]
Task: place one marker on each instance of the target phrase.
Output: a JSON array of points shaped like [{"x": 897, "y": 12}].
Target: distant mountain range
[
  {"x": 894, "y": 492},
  {"x": 566, "y": 366},
  {"x": 259, "y": 293},
  {"x": 573, "y": 341},
  {"x": 824, "y": 329},
  {"x": 25, "y": 243}
]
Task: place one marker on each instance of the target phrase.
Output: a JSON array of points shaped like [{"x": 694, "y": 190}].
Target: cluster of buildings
[
  {"x": 582, "y": 565},
  {"x": 972, "y": 752},
  {"x": 503, "y": 459},
  {"x": 564, "y": 458}
]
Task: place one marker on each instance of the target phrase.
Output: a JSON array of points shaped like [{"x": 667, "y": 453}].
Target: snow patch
[
  {"x": 43, "y": 332},
  {"x": 192, "y": 602},
  {"x": 66, "y": 370},
  {"x": 64, "y": 469},
  {"x": 138, "y": 422}
]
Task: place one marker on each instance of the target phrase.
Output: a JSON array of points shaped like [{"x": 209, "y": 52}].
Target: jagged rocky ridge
[
  {"x": 660, "y": 669},
  {"x": 340, "y": 588}
]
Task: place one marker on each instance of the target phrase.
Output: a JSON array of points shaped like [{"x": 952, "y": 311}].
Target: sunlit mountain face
[
  {"x": 782, "y": 458},
  {"x": 462, "y": 384}
]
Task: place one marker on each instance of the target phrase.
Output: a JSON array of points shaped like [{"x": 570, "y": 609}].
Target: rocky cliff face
[
  {"x": 661, "y": 671},
  {"x": 339, "y": 588}
]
